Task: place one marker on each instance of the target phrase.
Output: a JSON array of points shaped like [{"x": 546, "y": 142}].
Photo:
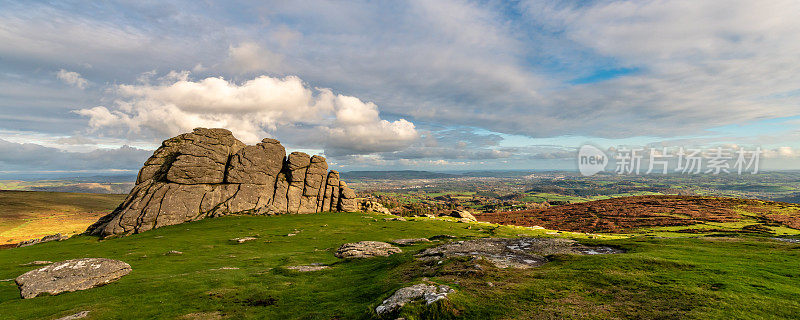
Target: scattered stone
[
  {"x": 48, "y": 238},
  {"x": 209, "y": 173},
  {"x": 366, "y": 249},
  {"x": 173, "y": 253},
  {"x": 216, "y": 315},
  {"x": 71, "y": 275},
  {"x": 408, "y": 242},
  {"x": 427, "y": 293},
  {"x": 395, "y": 219},
  {"x": 243, "y": 239},
  {"x": 6, "y": 280},
  {"x": 789, "y": 240},
  {"x": 308, "y": 268},
  {"x": 36, "y": 263},
  {"x": 79, "y": 315},
  {"x": 225, "y": 268},
  {"x": 520, "y": 253}
]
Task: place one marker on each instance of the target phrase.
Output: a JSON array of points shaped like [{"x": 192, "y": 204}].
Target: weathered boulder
[
  {"x": 71, "y": 275},
  {"x": 464, "y": 215},
  {"x": 369, "y": 205},
  {"x": 330, "y": 200},
  {"x": 297, "y": 166},
  {"x": 424, "y": 292},
  {"x": 258, "y": 164},
  {"x": 314, "y": 181},
  {"x": 202, "y": 158},
  {"x": 366, "y": 249},
  {"x": 209, "y": 173},
  {"x": 347, "y": 198}
]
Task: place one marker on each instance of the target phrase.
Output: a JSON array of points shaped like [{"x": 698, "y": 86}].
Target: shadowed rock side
[{"x": 209, "y": 173}]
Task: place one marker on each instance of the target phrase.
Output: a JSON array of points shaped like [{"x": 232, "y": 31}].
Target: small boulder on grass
[
  {"x": 366, "y": 249},
  {"x": 71, "y": 275},
  {"x": 427, "y": 293},
  {"x": 243, "y": 239},
  {"x": 79, "y": 315}
]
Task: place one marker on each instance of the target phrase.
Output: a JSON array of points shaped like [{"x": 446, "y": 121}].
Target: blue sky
[{"x": 437, "y": 85}]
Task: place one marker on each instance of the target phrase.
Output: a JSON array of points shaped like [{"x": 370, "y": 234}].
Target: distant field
[
  {"x": 662, "y": 215},
  {"x": 31, "y": 214}
]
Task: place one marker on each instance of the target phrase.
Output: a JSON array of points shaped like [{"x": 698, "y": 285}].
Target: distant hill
[
  {"x": 659, "y": 214},
  {"x": 395, "y": 175}
]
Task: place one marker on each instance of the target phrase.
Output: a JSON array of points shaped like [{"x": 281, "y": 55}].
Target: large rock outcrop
[{"x": 209, "y": 173}]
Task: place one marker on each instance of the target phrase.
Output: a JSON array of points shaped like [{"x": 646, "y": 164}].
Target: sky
[{"x": 387, "y": 85}]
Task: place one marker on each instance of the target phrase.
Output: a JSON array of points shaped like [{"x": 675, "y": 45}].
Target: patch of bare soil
[{"x": 630, "y": 213}]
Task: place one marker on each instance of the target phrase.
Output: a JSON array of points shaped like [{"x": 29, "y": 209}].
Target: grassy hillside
[
  {"x": 30, "y": 214},
  {"x": 694, "y": 278}
]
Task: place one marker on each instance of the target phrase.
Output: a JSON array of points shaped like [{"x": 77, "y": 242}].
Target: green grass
[{"x": 700, "y": 278}]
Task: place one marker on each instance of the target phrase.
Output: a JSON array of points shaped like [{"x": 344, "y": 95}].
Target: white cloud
[
  {"x": 782, "y": 153},
  {"x": 72, "y": 78},
  {"x": 253, "y": 109}
]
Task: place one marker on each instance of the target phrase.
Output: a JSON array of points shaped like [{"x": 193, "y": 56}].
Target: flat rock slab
[
  {"x": 243, "y": 239},
  {"x": 366, "y": 249},
  {"x": 71, "y": 275},
  {"x": 308, "y": 268},
  {"x": 519, "y": 253},
  {"x": 408, "y": 242},
  {"x": 428, "y": 293},
  {"x": 79, "y": 315}
]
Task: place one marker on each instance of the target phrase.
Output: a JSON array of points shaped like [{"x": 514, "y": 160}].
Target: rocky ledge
[{"x": 209, "y": 173}]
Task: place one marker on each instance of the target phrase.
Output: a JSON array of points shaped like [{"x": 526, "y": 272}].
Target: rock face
[
  {"x": 366, "y": 249},
  {"x": 71, "y": 275},
  {"x": 209, "y": 173},
  {"x": 428, "y": 293}
]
